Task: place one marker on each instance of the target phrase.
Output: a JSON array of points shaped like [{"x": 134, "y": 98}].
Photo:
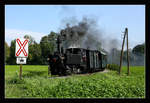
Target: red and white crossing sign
[{"x": 21, "y": 47}]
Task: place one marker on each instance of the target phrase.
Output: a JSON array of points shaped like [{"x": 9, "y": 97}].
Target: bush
[{"x": 113, "y": 67}]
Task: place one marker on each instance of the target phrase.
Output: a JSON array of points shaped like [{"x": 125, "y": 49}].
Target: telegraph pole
[
  {"x": 122, "y": 54},
  {"x": 128, "y": 70},
  {"x": 127, "y": 52}
]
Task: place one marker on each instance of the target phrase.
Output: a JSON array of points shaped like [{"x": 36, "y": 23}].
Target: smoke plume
[
  {"x": 84, "y": 34},
  {"x": 87, "y": 34}
]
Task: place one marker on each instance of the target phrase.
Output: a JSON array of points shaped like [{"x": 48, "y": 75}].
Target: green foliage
[
  {"x": 136, "y": 55},
  {"x": 34, "y": 54},
  {"x": 31, "y": 39},
  {"x": 48, "y": 45},
  {"x": 139, "y": 49},
  {"x": 12, "y": 58},
  {"x": 45, "y": 46},
  {"x": 37, "y": 52},
  {"x": 7, "y": 52},
  {"x": 113, "y": 67},
  {"x": 35, "y": 83}
]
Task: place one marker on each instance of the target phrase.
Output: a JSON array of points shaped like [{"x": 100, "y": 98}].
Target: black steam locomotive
[{"x": 76, "y": 61}]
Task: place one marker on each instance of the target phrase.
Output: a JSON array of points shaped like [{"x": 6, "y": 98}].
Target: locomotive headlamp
[
  {"x": 54, "y": 59},
  {"x": 84, "y": 58}
]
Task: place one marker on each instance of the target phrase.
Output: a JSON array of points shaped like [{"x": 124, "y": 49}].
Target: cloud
[{"x": 11, "y": 34}]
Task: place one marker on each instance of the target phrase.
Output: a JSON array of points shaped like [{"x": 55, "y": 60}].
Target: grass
[{"x": 37, "y": 84}]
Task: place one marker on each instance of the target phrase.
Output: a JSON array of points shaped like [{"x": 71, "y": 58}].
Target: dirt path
[{"x": 105, "y": 71}]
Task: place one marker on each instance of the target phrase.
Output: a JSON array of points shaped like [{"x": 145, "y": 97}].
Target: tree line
[
  {"x": 38, "y": 53},
  {"x": 136, "y": 56}
]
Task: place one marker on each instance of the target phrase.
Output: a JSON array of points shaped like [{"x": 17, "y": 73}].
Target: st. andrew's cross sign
[
  {"x": 21, "y": 52},
  {"x": 21, "y": 48}
]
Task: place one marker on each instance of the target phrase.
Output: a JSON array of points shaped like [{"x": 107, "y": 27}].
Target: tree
[
  {"x": 31, "y": 39},
  {"x": 12, "y": 58},
  {"x": 34, "y": 56},
  {"x": 48, "y": 45},
  {"x": 52, "y": 37},
  {"x": 139, "y": 49},
  {"x": 7, "y": 52},
  {"x": 138, "y": 54}
]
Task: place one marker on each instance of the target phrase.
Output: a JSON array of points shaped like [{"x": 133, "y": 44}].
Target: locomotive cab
[
  {"x": 76, "y": 59},
  {"x": 76, "y": 56}
]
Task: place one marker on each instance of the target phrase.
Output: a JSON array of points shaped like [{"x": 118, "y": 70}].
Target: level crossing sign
[
  {"x": 21, "y": 52},
  {"x": 21, "y": 48}
]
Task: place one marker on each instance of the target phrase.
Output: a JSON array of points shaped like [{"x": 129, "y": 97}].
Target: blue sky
[{"x": 39, "y": 20}]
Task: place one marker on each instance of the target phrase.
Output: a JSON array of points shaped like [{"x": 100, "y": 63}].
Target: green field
[{"x": 36, "y": 83}]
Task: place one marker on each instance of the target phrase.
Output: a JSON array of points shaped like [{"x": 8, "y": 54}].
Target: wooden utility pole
[
  {"x": 126, "y": 33},
  {"x": 127, "y": 52},
  {"x": 122, "y": 54},
  {"x": 20, "y": 75}
]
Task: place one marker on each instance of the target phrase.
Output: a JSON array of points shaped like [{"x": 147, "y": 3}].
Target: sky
[{"x": 40, "y": 20}]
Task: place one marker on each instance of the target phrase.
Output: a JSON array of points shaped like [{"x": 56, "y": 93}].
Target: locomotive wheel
[
  {"x": 68, "y": 70},
  {"x": 75, "y": 70}
]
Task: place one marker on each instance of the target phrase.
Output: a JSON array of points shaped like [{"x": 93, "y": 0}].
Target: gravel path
[{"x": 105, "y": 71}]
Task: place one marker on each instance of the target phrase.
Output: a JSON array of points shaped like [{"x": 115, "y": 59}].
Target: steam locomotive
[{"x": 76, "y": 60}]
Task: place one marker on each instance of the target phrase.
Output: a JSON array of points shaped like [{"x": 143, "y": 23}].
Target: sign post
[
  {"x": 20, "y": 75},
  {"x": 21, "y": 53}
]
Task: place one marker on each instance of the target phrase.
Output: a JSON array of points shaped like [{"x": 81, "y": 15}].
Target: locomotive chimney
[{"x": 58, "y": 43}]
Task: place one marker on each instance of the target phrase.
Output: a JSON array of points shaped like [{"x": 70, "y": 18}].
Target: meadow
[{"x": 36, "y": 83}]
